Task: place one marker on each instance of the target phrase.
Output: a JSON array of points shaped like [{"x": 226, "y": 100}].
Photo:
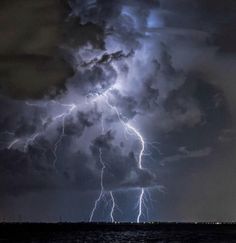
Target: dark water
[{"x": 68, "y": 233}]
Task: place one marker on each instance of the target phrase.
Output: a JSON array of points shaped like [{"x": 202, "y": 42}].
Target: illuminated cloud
[{"x": 148, "y": 82}]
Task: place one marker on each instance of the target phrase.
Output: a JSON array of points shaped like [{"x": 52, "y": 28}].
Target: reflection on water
[{"x": 70, "y": 233}]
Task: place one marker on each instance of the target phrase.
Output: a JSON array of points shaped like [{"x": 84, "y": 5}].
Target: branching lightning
[
  {"x": 63, "y": 116},
  {"x": 102, "y": 191},
  {"x": 128, "y": 130},
  {"x": 140, "y": 138},
  {"x": 133, "y": 130}
]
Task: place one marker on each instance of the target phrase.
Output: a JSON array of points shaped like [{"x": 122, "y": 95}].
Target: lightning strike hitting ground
[
  {"x": 140, "y": 138},
  {"x": 140, "y": 208},
  {"x": 113, "y": 207},
  {"x": 128, "y": 129},
  {"x": 102, "y": 186},
  {"x": 141, "y": 153}
]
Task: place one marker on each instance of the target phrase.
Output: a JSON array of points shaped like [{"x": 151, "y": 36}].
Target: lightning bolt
[
  {"x": 113, "y": 207},
  {"x": 140, "y": 156},
  {"x": 102, "y": 193},
  {"x": 26, "y": 142},
  {"x": 139, "y": 136},
  {"x": 59, "y": 141},
  {"x": 101, "y": 184},
  {"x": 29, "y": 141},
  {"x": 132, "y": 130},
  {"x": 63, "y": 116},
  {"x": 13, "y": 143}
]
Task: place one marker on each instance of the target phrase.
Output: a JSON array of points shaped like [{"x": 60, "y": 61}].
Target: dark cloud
[
  {"x": 121, "y": 171},
  {"x": 94, "y": 80},
  {"x": 108, "y": 58},
  {"x": 32, "y": 33},
  {"x": 22, "y": 173},
  {"x": 150, "y": 97},
  {"x": 15, "y": 117},
  {"x": 125, "y": 104},
  {"x": 164, "y": 67},
  {"x": 78, "y": 34},
  {"x": 76, "y": 125}
]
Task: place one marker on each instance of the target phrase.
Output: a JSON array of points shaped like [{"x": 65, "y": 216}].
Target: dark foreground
[{"x": 158, "y": 232}]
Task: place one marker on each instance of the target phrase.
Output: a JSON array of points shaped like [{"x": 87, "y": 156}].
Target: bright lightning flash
[
  {"x": 102, "y": 191},
  {"x": 63, "y": 116},
  {"x": 127, "y": 127},
  {"x": 133, "y": 130}
]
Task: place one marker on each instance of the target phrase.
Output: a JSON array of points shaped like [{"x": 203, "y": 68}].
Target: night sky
[{"x": 118, "y": 110}]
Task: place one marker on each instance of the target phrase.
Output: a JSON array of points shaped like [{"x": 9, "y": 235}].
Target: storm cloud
[{"x": 82, "y": 81}]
